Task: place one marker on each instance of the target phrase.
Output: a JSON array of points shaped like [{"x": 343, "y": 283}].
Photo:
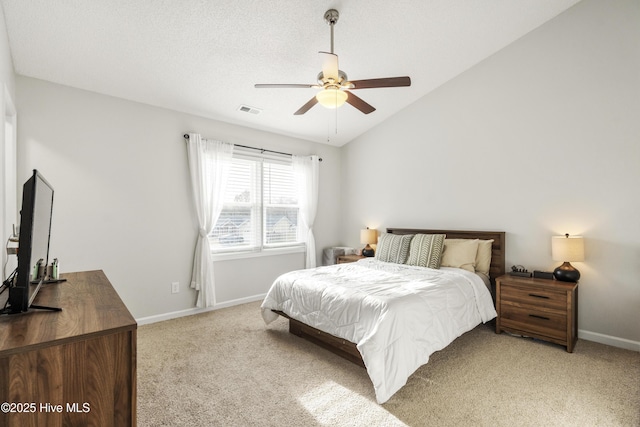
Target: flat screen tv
[{"x": 33, "y": 243}]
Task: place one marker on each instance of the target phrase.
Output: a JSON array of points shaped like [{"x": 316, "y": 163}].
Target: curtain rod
[{"x": 186, "y": 136}]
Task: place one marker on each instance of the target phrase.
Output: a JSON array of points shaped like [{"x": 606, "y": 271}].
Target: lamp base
[
  {"x": 368, "y": 251},
  {"x": 566, "y": 273}
]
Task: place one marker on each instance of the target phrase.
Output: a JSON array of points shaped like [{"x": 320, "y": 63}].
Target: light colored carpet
[{"x": 226, "y": 368}]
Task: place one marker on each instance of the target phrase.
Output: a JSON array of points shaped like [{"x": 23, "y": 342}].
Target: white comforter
[{"x": 398, "y": 315}]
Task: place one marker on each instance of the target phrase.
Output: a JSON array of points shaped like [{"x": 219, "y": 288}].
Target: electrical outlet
[{"x": 175, "y": 287}]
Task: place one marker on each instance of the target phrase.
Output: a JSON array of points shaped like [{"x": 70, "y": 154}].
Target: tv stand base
[{"x": 44, "y": 307}]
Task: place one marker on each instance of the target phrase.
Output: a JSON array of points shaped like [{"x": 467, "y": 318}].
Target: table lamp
[
  {"x": 368, "y": 236},
  {"x": 566, "y": 249}
]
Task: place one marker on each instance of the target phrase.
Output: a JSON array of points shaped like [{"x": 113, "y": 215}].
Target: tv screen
[{"x": 33, "y": 245}]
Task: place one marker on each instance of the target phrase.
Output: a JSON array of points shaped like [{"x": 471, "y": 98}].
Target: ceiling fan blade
[
  {"x": 277, "y": 85},
  {"x": 383, "y": 82},
  {"x": 359, "y": 103},
  {"x": 306, "y": 107},
  {"x": 330, "y": 66}
]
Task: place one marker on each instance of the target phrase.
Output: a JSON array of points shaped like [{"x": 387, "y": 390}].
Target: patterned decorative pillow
[
  {"x": 393, "y": 248},
  {"x": 426, "y": 250}
]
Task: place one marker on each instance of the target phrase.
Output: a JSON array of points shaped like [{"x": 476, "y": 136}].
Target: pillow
[
  {"x": 425, "y": 250},
  {"x": 460, "y": 254},
  {"x": 393, "y": 247},
  {"x": 483, "y": 256}
]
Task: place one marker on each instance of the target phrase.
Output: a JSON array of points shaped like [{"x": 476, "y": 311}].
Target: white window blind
[
  {"x": 260, "y": 206},
  {"x": 280, "y": 204}
]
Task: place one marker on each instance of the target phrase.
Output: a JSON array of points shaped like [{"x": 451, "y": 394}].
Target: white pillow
[
  {"x": 483, "y": 256},
  {"x": 460, "y": 253}
]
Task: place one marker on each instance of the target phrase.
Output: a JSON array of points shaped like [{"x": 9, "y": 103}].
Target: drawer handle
[
  {"x": 539, "y": 296},
  {"x": 539, "y": 317}
]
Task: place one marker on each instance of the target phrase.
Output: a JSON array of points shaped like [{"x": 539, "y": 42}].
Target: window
[{"x": 260, "y": 206}]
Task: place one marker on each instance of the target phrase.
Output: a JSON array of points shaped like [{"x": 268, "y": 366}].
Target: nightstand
[
  {"x": 538, "y": 308},
  {"x": 343, "y": 259}
]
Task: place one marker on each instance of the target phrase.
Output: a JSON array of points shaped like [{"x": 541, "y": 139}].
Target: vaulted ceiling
[{"x": 203, "y": 57}]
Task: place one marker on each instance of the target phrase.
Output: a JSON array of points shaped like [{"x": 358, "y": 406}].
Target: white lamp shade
[
  {"x": 331, "y": 98},
  {"x": 368, "y": 236},
  {"x": 567, "y": 248}
]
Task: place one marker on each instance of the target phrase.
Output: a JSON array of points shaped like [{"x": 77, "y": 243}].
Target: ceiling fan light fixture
[
  {"x": 331, "y": 98},
  {"x": 336, "y": 87}
]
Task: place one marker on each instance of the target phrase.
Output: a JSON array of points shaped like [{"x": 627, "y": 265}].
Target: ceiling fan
[{"x": 336, "y": 88}]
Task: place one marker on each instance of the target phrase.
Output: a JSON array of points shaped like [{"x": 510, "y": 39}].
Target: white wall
[
  {"x": 8, "y": 199},
  {"x": 123, "y": 199},
  {"x": 7, "y": 76},
  {"x": 543, "y": 138}
]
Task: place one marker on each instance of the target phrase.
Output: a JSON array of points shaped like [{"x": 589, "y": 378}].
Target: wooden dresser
[
  {"x": 76, "y": 367},
  {"x": 538, "y": 308}
]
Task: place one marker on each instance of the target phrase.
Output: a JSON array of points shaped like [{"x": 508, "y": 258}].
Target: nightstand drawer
[
  {"x": 343, "y": 259},
  {"x": 548, "y": 323},
  {"x": 532, "y": 297}
]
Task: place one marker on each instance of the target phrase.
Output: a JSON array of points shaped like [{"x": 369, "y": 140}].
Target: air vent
[{"x": 250, "y": 110}]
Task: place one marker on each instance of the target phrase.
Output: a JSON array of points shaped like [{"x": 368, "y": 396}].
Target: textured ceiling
[{"x": 203, "y": 56}]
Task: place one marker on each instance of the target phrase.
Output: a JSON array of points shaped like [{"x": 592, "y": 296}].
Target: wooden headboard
[{"x": 498, "y": 251}]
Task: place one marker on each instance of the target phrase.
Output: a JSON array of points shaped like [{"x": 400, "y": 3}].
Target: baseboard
[
  {"x": 609, "y": 340},
  {"x": 239, "y": 301},
  {"x": 191, "y": 311}
]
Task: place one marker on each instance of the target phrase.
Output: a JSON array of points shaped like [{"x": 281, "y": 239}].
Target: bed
[{"x": 390, "y": 313}]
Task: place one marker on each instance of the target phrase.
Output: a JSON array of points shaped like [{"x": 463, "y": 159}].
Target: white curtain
[
  {"x": 306, "y": 169},
  {"x": 209, "y": 165}
]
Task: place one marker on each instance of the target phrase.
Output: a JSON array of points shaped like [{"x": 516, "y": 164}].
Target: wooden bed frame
[{"x": 347, "y": 349}]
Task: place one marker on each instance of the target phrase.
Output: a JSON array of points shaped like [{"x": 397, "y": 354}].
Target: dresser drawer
[
  {"x": 538, "y": 322},
  {"x": 531, "y": 297}
]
